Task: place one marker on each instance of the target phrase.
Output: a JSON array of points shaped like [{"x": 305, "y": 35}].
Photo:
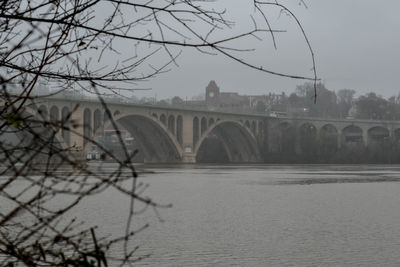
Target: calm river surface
[{"x": 304, "y": 215}]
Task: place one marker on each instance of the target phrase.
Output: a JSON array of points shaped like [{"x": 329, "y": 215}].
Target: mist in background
[{"x": 356, "y": 45}]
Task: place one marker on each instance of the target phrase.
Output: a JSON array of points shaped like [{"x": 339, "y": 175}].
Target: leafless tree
[{"x": 100, "y": 47}]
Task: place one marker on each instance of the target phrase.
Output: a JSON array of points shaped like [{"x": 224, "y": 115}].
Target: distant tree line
[
  {"x": 329, "y": 104},
  {"x": 342, "y": 104}
]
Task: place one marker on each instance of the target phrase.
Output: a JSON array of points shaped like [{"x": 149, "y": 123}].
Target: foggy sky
[{"x": 356, "y": 45}]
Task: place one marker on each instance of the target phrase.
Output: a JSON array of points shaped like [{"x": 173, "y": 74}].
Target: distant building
[
  {"x": 176, "y": 100},
  {"x": 212, "y": 94},
  {"x": 215, "y": 99}
]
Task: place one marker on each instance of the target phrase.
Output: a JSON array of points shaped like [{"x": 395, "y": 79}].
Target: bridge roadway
[{"x": 175, "y": 134}]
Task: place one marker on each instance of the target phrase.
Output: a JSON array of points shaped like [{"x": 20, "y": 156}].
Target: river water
[{"x": 264, "y": 215}]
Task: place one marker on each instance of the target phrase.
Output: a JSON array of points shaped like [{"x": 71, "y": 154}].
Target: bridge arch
[
  {"x": 237, "y": 143},
  {"x": 163, "y": 119},
  {"x": 42, "y": 112},
  {"x": 352, "y": 135},
  {"x": 377, "y": 135},
  {"x": 49, "y": 147},
  {"x": 171, "y": 124},
  {"x": 379, "y": 145},
  {"x": 154, "y": 138},
  {"x": 96, "y": 120},
  {"x": 203, "y": 125},
  {"x": 65, "y": 131},
  {"x": 106, "y": 117}
]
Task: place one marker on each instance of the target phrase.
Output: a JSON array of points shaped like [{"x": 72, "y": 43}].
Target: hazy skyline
[{"x": 355, "y": 43}]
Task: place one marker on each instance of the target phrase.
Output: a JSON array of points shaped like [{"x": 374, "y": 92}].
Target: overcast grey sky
[{"x": 356, "y": 44}]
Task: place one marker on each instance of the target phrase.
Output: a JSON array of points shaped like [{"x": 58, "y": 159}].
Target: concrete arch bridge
[
  {"x": 165, "y": 134},
  {"x": 169, "y": 134},
  {"x": 324, "y": 138}
]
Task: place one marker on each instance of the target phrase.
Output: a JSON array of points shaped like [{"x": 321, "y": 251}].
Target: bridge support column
[
  {"x": 188, "y": 147},
  {"x": 76, "y": 135},
  {"x": 188, "y": 158},
  {"x": 365, "y": 137}
]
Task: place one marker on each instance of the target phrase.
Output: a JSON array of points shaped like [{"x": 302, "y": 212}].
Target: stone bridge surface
[{"x": 173, "y": 134}]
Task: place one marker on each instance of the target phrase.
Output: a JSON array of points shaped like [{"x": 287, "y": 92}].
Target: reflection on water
[{"x": 255, "y": 215}]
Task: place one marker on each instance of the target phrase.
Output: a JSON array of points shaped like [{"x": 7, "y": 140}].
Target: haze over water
[{"x": 252, "y": 215}]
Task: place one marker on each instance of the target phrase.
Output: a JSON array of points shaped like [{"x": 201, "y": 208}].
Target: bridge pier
[
  {"x": 365, "y": 137},
  {"x": 77, "y": 133},
  {"x": 188, "y": 158},
  {"x": 297, "y": 145}
]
